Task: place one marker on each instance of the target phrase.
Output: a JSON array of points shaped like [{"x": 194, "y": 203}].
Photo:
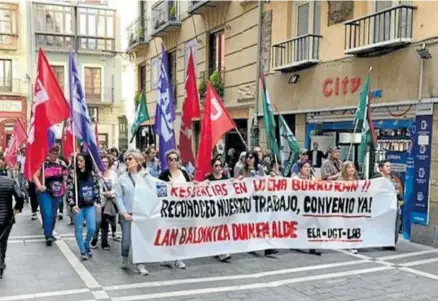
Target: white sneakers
[
  {"x": 141, "y": 269},
  {"x": 179, "y": 264},
  {"x": 124, "y": 264}
]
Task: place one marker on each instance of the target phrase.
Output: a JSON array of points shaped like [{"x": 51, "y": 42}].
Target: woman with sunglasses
[
  {"x": 251, "y": 169},
  {"x": 130, "y": 186},
  {"x": 109, "y": 212},
  {"x": 217, "y": 174},
  {"x": 174, "y": 175},
  {"x": 83, "y": 195}
]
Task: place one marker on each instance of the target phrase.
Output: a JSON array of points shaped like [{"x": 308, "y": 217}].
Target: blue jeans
[
  {"x": 126, "y": 236},
  {"x": 49, "y": 208},
  {"x": 89, "y": 215}
]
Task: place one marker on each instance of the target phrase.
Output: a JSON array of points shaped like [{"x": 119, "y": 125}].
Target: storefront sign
[
  {"x": 336, "y": 86},
  {"x": 422, "y": 157},
  {"x": 409, "y": 185}
]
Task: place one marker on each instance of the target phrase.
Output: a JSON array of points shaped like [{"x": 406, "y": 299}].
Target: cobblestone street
[{"x": 36, "y": 272}]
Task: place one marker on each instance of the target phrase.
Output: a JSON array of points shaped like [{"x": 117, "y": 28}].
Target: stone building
[{"x": 315, "y": 56}]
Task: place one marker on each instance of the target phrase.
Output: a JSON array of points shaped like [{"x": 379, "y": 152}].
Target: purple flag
[
  {"x": 165, "y": 112},
  {"x": 80, "y": 117}
]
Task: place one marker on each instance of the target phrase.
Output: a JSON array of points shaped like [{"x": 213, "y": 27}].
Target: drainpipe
[
  {"x": 258, "y": 69},
  {"x": 32, "y": 53},
  {"x": 420, "y": 82}
]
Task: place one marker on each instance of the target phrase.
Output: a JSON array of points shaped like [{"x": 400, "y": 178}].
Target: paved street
[{"x": 36, "y": 272}]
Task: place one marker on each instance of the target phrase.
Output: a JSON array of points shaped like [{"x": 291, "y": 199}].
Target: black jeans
[
  {"x": 4, "y": 235},
  {"x": 105, "y": 222},
  {"x": 33, "y": 197}
]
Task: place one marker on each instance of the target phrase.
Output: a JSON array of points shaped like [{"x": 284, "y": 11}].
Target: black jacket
[
  {"x": 165, "y": 175},
  {"x": 9, "y": 188}
]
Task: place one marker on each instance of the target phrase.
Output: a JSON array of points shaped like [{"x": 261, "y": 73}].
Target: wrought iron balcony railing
[
  {"x": 296, "y": 52},
  {"x": 391, "y": 27},
  {"x": 10, "y": 85},
  {"x": 165, "y": 17},
  {"x": 137, "y": 32}
]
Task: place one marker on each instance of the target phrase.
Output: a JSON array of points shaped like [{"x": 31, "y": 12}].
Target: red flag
[
  {"x": 215, "y": 123},
  {"x": 67, "y": 141},
  {"x": 190, "y": 110},
  {"x": 49, "y": 107},
  {"x": 18, "y": 137}
]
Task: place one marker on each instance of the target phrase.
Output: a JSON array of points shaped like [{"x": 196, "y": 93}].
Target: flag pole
[{"x": 72, "y": 124}]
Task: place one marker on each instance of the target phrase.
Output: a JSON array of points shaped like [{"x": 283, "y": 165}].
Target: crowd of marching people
[{"x": 100, "y": 202}]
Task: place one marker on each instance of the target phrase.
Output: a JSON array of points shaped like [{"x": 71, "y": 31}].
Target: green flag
[
  {"x": 269, "y": 120},
  {"x": 290, "y": 149},
  {"x": 364, "y": 124},
  {"x": 142, "y": 113}
]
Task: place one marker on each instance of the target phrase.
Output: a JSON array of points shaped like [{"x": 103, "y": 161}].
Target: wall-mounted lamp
[
  {"x": 424, "y": 54},
  {"x": 294, "y": 79}
]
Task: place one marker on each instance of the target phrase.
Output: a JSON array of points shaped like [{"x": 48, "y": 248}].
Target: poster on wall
[{"x": 422, "y": 156}]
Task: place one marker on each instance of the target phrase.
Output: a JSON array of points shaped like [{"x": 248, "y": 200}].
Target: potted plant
[
  {"x": 140, "y": 34},
  {"x": 202, "y": 87},
  {"x": 217, "y": 83},
  {"x": 172, "y": 13}
]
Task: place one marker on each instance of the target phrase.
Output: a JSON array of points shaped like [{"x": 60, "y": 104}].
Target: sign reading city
[{"x": 340, "y": 86}]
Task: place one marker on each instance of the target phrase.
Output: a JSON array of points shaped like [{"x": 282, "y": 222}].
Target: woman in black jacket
[
  {"x": 175, "y": 175},
  {"x": 83, "y": 195},
  {"x": 8, "y": 188}
]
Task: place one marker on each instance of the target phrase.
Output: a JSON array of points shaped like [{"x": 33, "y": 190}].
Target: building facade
[
  {"x": 320, "y": 54},
  {"x": 223, "y": 38},
  {"x": 14, "y": 71}
]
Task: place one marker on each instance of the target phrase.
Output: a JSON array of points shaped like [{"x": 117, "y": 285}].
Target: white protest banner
[{"x": 188, "y": 221}]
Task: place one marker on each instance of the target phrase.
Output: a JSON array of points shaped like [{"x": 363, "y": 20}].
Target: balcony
[
  {"x": 10, "y": 86},
  {"x": 199, "y": 7},
  {"x": 165, "y": 18},
  {"x": 55, "y": 42},
  {"x": 102, "y": 97},
  {"x": 217, "y": 80},
  {"x": 385, "y": 30},
  {"x": 296, "y": 53},
  {"x": 137, "y": 33}
]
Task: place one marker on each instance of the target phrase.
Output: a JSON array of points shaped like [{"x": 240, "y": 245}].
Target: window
[
  {"x": 8, "y": 19},
  {"x": 172, "y": 74},
  {"x": 54, "y": 19},
  {"x": 216, "y": 52},
  {"x": 59, "y": 74},
  {"x": 307, "y": 17},
  {"x": 142, "y": 78},
  {"x": 94, "y": 114},
  {"x": 93, "y": 83},
  {"x": 96, "y": 29},
  {"x": 5, "y": 75}
]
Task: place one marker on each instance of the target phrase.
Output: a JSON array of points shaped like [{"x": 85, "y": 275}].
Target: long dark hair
[
  {"x": 88, "y": 166},
  {"x": 256, "y": 159}
]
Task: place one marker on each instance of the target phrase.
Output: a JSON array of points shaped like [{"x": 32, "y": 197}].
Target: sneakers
[
  {"x": 124, "y": 264},
  {"x": 271, "y": 252},
  {"x": 141, "y": 269},
  {"x": 353, "y": 251},
  {"x": 224, "y": 258},
  {"x": 84, "y": 257},
  {"x": 116, "y": 237},
  {"x": 93, "y": 243},
  {"x": 106, "y": 247},
  {"x": 60, "y": 216},
  {"x": 34, "y": 216},
  {"x": 315, "y": 252},
  {"x": 179, "y": 264}
]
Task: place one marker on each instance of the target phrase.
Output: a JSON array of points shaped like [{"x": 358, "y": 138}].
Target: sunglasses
[
  {"x": 173, "y": 159},
  {"x": 218, "y": 165}
]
